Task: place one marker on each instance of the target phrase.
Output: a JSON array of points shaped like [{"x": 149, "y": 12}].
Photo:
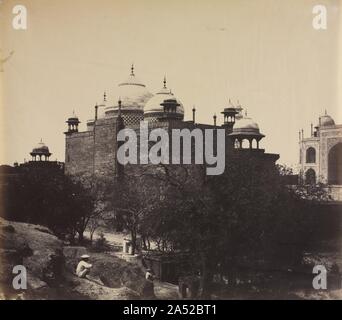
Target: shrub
[{"x": 101, "y": 243}]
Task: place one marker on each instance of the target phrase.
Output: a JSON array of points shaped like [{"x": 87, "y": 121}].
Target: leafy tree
[
  {"x": 242, "y": 216},
  {"x": 134, "y": 198},
  {"x": 48, "y": 197}
]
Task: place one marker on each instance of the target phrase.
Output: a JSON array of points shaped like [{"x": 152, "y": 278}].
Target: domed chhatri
[
  {"x": 246, "y": 129},
  {"x": 40, "y": 152},
  {"x": 246, "y": 126},
  {"x": 73, "y": 122},
  {"x": 154, "y": 107},
  {"x": 133, "y": 94},
  {"x": 326, "y": 120}
]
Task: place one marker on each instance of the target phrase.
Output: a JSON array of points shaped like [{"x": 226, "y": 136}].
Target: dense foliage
[
  {"x": 49, "y": 198},
  {"x": 246, "y": 217}
]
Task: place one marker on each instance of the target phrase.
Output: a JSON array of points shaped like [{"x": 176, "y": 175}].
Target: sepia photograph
[{"x": 182, "y": 151}]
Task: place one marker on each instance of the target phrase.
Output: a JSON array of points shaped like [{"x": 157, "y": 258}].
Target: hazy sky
[{"x": 263, "y": 52}]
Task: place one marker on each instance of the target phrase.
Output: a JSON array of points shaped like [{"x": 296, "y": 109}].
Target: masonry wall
[
  {"x": 105, "y": 131},
  {"x": 79, "y": 148},
  {"x": 94, "y": 151},
  {"x": 304, "y": 166}
]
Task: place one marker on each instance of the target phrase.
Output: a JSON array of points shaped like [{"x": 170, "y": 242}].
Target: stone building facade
[
  {"x": 94, "y": 151},
  {"x": 321, "y": 155}
]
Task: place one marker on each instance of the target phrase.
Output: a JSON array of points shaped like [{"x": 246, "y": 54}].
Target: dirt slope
[{"x": 41, "y": 253}]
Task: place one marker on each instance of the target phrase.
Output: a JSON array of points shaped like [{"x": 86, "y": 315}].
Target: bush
[
  {"x": 48, "y": 198},
  {"x": 101, "y": 243}
]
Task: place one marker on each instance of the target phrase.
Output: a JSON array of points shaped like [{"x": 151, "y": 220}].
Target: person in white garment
[
  {"x": 149, "y": 275},
  {"x": 83, "y": 267}
]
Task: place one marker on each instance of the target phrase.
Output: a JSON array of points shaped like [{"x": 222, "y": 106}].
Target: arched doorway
[
  {"x": 335, "y": 165},
  {"x": 311, "y": 155},
  {"x": 310, "y": 176}
]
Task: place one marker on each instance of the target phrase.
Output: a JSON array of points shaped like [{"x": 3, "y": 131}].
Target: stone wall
[
  {"x": 305, "y": 144},
  {"x": 79, "y": 153},
  {"x": 105, "y": 132},
  {"x": 92, "y": 152}
]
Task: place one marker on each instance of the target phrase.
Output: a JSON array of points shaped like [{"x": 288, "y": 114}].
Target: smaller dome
[
  {"x": 246, "y": 124},
  {"x": 326, "y": 121},
  {"x": 246, "y": 127},
  {"x": 153, "y": 105},
  {"x": 73, "y": 117},
  {"x": 41, "y": 149}
]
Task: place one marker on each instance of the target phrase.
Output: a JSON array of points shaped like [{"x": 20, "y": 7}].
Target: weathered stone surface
[
  {"x": 8, "y": 228},
  {"x": 110, "y": 270},
  {"x": 79, "y": 147},
  {"x": 92, "y": 151},
  {"x": 40, "y": 252},
  {"x": 35, "y": 283},
  {"x": 95, "y": 291}
]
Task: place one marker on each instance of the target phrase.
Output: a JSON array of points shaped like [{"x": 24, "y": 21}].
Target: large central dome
[
  {"x": 133, "y": 94},
  {"x": 326, "y": 121}
]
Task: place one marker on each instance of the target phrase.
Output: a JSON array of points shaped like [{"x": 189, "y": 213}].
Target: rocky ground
[{"x": 50, "y": 268}]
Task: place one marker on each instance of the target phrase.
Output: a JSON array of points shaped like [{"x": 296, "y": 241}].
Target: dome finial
[
  {"x": 132, "y": 69},
  {"x": 164, "y": 82},
  {"x": 96, "y": 111},
  {"x": 325, "y": 112},
  {"x": 105, "y": 96},
  {"x": 194, "y": 114},
  {"x": 246, "y": 112}
]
